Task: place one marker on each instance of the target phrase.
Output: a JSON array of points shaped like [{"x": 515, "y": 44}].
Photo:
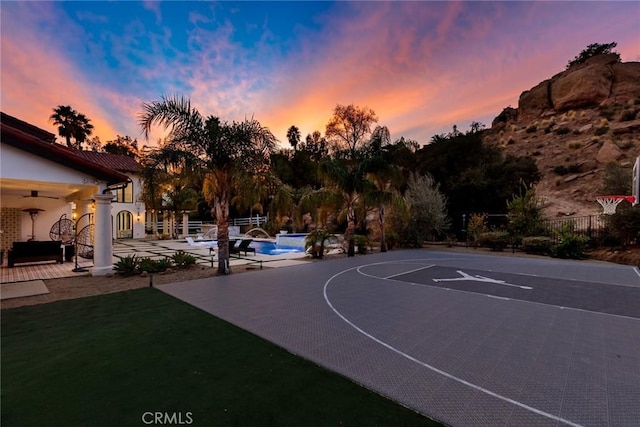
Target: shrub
[
  {"x": 575, "y": 145},
  {"x": 628, "y": 115},
  {"x": 494, "y": 240},
  {"x": 540, "y": 245},
  {"x": 601, "y": 130},
  {"x": 154, "y": 266},
  {"x": 570, "y": 247},
  {"x": 362, "y": 243},
  {"x": 477, "y": 225},
  {"x": 316, "y": 240},
  {"x": 562, "y": 130},
  {"x": 561, "y": 170},
  {"x": 181, "y": 259},
  {"x": 392, "y": 239},
  {"x": 126, "y": 266},
  {"x": 532, "y": 129}
]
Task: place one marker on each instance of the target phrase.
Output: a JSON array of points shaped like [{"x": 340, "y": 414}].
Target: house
[{"x": 57, "y": 182}]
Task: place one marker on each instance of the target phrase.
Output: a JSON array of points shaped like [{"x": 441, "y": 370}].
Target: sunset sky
[{"x": 422, "y": 66}]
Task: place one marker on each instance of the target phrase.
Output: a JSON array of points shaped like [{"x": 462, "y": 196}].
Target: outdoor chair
[
  {"x": 233, "y": 249},
  {"x": 244, "y": 246}
]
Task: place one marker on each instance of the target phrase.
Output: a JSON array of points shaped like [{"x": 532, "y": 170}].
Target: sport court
[{"x": 465, "y": 339}]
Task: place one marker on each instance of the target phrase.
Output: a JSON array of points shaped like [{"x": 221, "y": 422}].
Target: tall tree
[
  {"x": 293, "y": 135},
  {"x": 71, "y": 124},
  {"x": 349, "y": 127},
  {"x": 223, "y": 152},
  {"x": 316, "y": 145},
  {"x": 122, "y": 145},
  {"x": 64, "y": 117},
  {"x": 81, "y": 130}
]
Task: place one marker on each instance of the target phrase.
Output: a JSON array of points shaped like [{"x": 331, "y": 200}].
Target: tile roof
[
  {"x": 26, "y": 140},
  {"x": 118, "y": 162}
]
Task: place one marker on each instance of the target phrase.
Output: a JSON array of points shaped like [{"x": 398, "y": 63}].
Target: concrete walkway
[{"x": 465, "y": 339}]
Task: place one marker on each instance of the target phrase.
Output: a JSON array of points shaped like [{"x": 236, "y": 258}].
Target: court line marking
[
  {"x": 426, "y": 285},
  {"x": 433, "y": 368},
  {"x": 461, "y": 258},
  {"x": 410, "y": 271}
]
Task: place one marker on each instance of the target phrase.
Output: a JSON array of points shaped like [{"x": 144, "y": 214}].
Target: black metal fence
[{"x": 591, "y": 226}]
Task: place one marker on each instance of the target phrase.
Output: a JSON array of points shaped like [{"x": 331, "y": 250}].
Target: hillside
[{"x": 573, "y": 124}]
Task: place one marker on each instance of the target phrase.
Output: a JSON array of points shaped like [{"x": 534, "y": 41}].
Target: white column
[
  {"x": 166, "y": 227},
  {"x": 103, "y": 240},
  {"x": 185, "y": 224}
]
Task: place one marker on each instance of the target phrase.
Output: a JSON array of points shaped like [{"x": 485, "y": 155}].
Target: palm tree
[
  {"x": 64, "y": 117},
  {"x": 345, "y": 187},
  {"x": 293, "y": 135},
  {"x": 81, "y": 130},
  {"x": 71, "y": 124},
  {"x": 224, "y": 153}
]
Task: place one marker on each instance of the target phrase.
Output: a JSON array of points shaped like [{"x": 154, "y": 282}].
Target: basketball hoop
[{"x": 610, "y": 203}]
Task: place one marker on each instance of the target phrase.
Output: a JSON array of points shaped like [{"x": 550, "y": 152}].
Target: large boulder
[
  {"x": 609, "y": 152},
  {"x": 583, "y": 87},
  {"x": 626, "y": 82},
  {"x": 534, "y": 102},
  {"x": 598, "y": 81}
]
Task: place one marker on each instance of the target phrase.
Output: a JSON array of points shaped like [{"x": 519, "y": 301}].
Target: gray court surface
[{"x": 468, "y": 340}]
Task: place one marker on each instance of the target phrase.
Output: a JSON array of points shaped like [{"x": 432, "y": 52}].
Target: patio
[{"x": 155, "y": 249}]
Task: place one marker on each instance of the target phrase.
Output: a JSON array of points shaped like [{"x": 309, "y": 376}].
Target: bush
[
  {"x": 628, "y": 115},
  {"x": 561, "y": 170},
  {"x": 494, "y": 240},
  {"x": 563, "y": 130},
  {"x": 601, "y": 130},
  {"x": 154, "y": 266},
  {"x": 182, "y": 259},
  {"x": 392, "y": 239},
  {"x": 570, "y": 247},
  {"x": 532, "y": 128},
  {"x": 362, "y": 244},
  {"x": 477, "y": 225},
  {"x": 539, "y": 245},
  {"x": 126, "y": 266},
  {"x": 316, "y": 241}
]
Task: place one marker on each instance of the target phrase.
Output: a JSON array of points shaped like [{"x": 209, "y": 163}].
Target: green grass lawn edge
[{"x": 108, "y": 360}]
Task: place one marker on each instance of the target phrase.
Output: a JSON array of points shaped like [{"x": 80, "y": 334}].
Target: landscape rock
[
  {"x": 586, "y": 128},
  {"x": 609, "y": 152}
]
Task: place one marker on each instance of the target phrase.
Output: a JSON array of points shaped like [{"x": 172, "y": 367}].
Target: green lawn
[{"x": 107, "y": 360}]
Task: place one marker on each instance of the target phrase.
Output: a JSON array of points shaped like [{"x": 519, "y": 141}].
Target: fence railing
[
  {"x": 196, "y": 226},
  {"x": 591, "y": 226}
]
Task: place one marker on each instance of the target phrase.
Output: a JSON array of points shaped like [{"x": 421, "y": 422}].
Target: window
[{"x": 123, "y": 195}]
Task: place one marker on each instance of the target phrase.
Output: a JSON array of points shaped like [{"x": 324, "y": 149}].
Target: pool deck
[{"x": 155, "y": 249}]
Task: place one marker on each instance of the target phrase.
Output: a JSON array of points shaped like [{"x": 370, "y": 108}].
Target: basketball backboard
[{"x": 636, "y": 180}]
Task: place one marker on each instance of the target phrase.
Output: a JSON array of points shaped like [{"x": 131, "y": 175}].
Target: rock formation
[
  {"x": 599, "y": 80},
  {"x": 573, "y": 125}
]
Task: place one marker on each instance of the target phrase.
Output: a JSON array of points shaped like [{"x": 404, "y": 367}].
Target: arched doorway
[{"x": 124, "y": 225}]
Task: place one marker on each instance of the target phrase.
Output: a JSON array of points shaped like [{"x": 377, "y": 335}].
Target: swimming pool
[{"x": 284, "y": 244}]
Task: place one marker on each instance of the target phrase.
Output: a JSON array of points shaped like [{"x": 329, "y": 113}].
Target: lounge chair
[
  {"x": 244, "y": 246},
  {"x": 204, "y": 244},
  {"x": 233, "y": 249}
]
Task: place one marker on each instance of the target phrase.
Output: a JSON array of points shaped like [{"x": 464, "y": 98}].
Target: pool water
[{"x": 284, "y": 244}]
